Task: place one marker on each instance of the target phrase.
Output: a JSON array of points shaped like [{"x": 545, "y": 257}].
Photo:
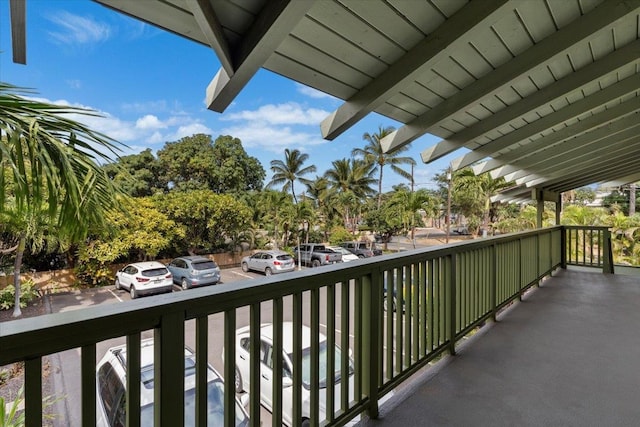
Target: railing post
[
  {"x": 33, "y": 392},
  {"x": 371, "y": 291},
  {"x": 168, "y": 370},
  {"x": 453, "y": 283},
  {"x": 563, "y": 248},
  {"x": 607, "y": 265},
  {"x": 494, "y": 282}
]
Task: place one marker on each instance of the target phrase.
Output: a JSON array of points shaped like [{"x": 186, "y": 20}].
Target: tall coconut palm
[
  {"x": 352, "y": 180},
  {"x": 374, "y": 154},
  {"x": 49, "y": 170},
  {"x": 290, "y": 171}
]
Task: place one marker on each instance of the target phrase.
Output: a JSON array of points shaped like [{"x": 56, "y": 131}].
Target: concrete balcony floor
[{"x": 568, "y": 355}]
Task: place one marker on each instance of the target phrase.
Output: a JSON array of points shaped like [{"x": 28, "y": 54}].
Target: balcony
[{"x": 552, "y": 359}]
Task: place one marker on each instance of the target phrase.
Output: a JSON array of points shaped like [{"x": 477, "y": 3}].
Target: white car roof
[
  {"x": 147, "y": 265},
  {"x": 266, "y": 331}
]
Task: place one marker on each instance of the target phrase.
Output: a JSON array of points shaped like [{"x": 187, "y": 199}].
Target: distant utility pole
[
  {"x": 632, "y": 199},
  {"x": 448, "y": 218}
]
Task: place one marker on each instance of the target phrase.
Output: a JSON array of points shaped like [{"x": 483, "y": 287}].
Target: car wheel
[
  {"x": 238, "y": 381},
  {"x": 305, "y": 422},
  {"x": 315, "y": 263},
  {"x": 268, "y": 272},
  {"x": 133, "y": 292},
  {"x": 361, "y": 256},
  {"x": 245, "y": 267},
  {"x": 185, "y": 284},
  {"x": 118, "y": 287}
]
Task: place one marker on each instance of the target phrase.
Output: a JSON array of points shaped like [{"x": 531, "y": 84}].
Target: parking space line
[
  {"x": 115, "y": 295},
  {"x": 242, "y": 274}
]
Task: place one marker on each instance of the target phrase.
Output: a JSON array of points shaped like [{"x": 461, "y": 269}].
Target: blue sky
[{"x": 150, "y": 87}]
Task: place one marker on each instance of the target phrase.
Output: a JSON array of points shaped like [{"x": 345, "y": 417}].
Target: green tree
[
  {"x": 233, "y": 169},
  {"x": 410, "y": 207},
  {"x": 138, "y": 175},
  {"x": 208, "y": 219},
  {"x": 49, "y": 176},
  {"x": 373, "y": 153},
  {"x": 290, "y": 170},
  {"x": 188, "y": 162}
]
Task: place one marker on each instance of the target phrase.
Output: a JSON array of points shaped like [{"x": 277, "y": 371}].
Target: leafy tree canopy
[{"x": 138, "y": 175}]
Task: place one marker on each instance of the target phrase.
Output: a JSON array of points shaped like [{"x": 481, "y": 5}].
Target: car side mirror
[{"x": 286, "y": 382}]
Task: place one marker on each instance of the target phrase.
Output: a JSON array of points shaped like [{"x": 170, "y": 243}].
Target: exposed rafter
[
  {"x": 626, "y": 86},
  {"x": 601, "y": 17},
  {"x": 432, "y": 49},
  {"x": 207, "y": 20},
  {"x": 569, "y": 83},
  {"x": 271, "y": 27}
]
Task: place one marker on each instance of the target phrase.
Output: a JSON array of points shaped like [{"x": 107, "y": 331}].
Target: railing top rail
[
  {"x": 586, "y": 227},
  {"x": 47, "y": 334}
]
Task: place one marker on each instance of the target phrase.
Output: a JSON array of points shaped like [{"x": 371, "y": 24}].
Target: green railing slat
[
  {"x": 88, "y": 378},
  {"x": 133, "y": 379}
]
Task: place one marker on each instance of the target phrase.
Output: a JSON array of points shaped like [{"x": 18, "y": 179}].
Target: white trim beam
[
  {"x": 208, "y": 22},
  {"x": 432, "y": 49},
  {"x": 578, "y": 129},
  {"x": 622, "y": 180},
  {"x": 272, "y": 26},
  {"x": 603, "y": 16},
  {"x": 569, "y": 83},
  {"x": 615, "y": 91}
]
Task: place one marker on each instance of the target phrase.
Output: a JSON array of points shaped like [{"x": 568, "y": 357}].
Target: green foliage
[
  {"x": 28, "y": 292},
  {"x": 196, "y": 163},
  {"x": 15, "y": 417},
  {"x": 340, "y": 234},
  {"x": 138, "y": 175},
  {"x": 291, "y": 170},
  {"x": 208, "y": 219}
]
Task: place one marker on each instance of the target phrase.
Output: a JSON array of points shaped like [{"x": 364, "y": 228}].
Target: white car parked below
[
  {"x": 326, "y": 379},
  {"x": 347, "y": 255},
  {"x": 144, "y": 278}
]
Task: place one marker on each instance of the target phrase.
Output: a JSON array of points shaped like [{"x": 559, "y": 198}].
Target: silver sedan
[{"x": 269, "y": 262}]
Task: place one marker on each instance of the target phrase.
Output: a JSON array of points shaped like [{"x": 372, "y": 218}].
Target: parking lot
[{"x": 66, "y": 376}]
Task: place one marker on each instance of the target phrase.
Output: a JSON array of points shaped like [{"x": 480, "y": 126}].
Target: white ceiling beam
[
  {"x": 271, "y": 27},
  {"x": 208, "y": 22},
  {"x": 432, "y": 49},
  {"x": 559, "y": 89},
  {"x": 615, "y": 91},
  {"x": 17, "y": 9},
  {"x": 607, "y": 136},
  {"x": 588, "y": 161},
  {"x": 547, "y": 49},
  {"x": 629, "y": 179},
  {"x": 503, "y": 171},
  {"x": 575, "y": 130},
  {"x": 589, "y": 177}
]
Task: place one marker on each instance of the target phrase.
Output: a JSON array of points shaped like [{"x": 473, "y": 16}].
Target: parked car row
[{"x": 153, "y": 277}]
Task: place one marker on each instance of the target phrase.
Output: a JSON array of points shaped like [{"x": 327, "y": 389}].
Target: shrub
[
  {"x": 340, "y": 234},
  {"x": 28, "y": 292}
]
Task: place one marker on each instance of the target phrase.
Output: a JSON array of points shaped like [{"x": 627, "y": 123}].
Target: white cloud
[
  {"x": 145, "y": 107},
  {"x": 312, "y": 93},
  {"x": 149, "y": 122},
  {"x": 274, "y": 139},
  {"x": 77, "y": 30},
  {"x": 290, "y": 113},
  {"x": 188, "y": 130}
]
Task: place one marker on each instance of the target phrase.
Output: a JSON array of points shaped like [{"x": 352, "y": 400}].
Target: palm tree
[
  {"x": 352, "y": 180},
  {"x": 290, "y": 170},
  {"x": 49, "y": 176},
  {"x": 409, "y": 205},
  {"x": 373, "y": 154}
]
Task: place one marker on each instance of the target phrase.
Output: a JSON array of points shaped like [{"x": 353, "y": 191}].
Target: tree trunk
[
  {"x": 632, "y": 199},
  {"x": 17, "y": 312}
]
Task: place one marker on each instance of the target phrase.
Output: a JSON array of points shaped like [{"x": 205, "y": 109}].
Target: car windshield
[
  {"x": 204, "y": 265},
  {"x": 155, "y": 272},
  {"x": 215, "y": 408},
  {"x": 323, "y": 354}
]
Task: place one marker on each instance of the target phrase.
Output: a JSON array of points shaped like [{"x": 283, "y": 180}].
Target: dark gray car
[{"x": 190, "y": 271}]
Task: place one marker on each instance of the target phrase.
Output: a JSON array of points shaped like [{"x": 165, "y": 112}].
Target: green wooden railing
[
  {"x": 441, "y": 294},
  {"x": 588, "y": 246}
]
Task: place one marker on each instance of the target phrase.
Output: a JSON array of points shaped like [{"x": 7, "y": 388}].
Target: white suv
[
  {"x": 144, "y": 278},
  {"x": 266, "y": 371},
  {"x": 111, "y": 395}
]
